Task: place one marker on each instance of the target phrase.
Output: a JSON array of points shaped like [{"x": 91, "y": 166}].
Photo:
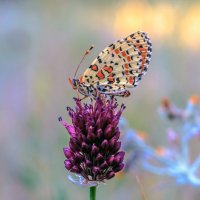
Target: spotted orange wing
[{"x": 121, "y": 65}]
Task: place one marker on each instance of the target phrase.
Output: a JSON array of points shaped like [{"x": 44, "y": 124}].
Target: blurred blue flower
[{"x": 175, "y": 160}]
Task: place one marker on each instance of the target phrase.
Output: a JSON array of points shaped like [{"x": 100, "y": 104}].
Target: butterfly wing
[
  {"x": 112, "y": 60},
  {"x": 121, "y": 65}
]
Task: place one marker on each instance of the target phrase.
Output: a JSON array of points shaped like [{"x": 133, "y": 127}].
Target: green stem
[{"x": 93, "y": 193}]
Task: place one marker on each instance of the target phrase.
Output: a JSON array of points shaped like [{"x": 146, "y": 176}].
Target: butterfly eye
[{"x": 74, "y": 82}]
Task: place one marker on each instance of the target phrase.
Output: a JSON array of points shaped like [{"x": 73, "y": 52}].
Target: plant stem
[{"x": 93, "y": 193}]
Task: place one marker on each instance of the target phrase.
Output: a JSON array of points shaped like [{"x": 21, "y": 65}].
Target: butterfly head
[{"x": 74, "y": 83}]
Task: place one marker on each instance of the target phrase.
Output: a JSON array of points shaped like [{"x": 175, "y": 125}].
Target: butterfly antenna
[{"x": 86, "y": 53}]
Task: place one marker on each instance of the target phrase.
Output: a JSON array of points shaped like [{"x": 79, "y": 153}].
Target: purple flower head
[{"x": 93, "y": 153}]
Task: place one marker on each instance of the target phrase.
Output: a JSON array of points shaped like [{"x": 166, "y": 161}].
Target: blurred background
[{"x": 41, "y": 44}]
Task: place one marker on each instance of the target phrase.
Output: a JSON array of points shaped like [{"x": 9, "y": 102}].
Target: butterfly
[{"x": 117, "y": 68}]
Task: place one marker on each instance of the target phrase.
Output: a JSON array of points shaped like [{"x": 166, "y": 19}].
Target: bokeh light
[
  {"x": 132, "y": 15},
  {"x": 190, "y": 27}
]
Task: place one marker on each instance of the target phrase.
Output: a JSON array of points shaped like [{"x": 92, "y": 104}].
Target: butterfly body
[
  {"x": 117, "y": 68},
  {"x": 90, "y": 90}
]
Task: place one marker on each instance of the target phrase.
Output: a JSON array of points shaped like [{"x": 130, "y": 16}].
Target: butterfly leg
[
  {"x": 83, "y": 98},
  {"x": 80, "y": 99},
  {"x": 101, "y": 96},
  {"x": 77, "y": 94}
]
